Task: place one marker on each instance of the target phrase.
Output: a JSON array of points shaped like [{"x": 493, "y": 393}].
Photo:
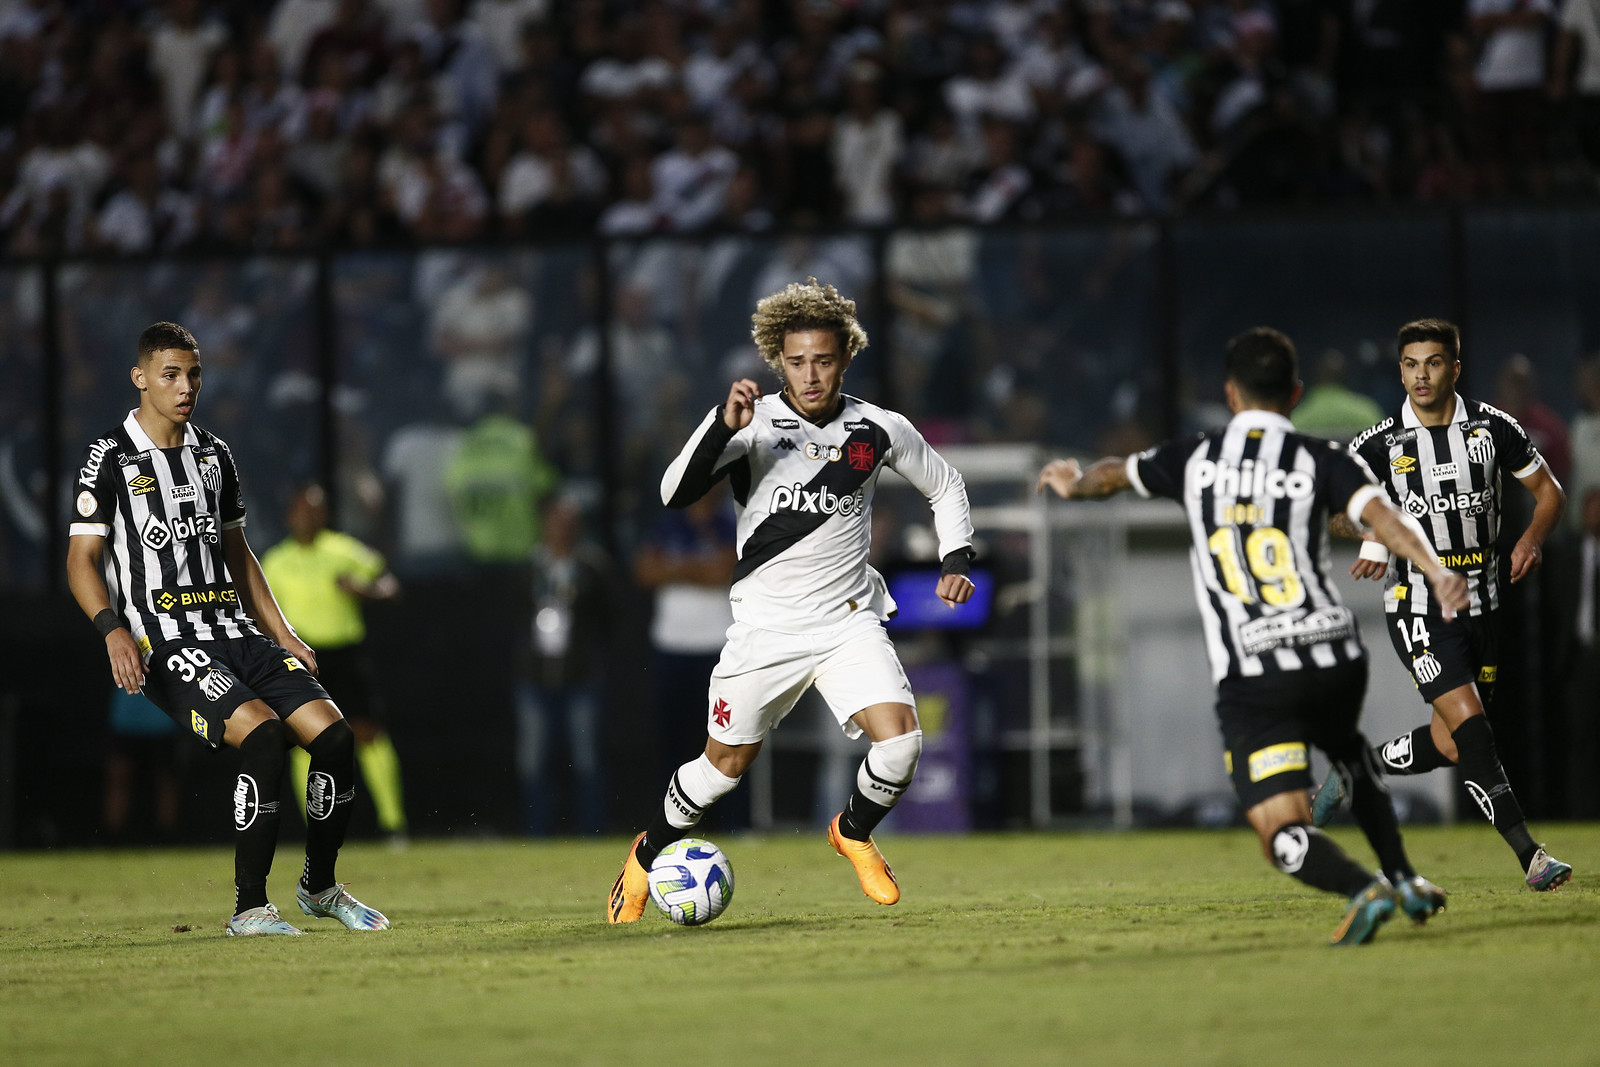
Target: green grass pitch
[{"x": 1150, "y": 948}]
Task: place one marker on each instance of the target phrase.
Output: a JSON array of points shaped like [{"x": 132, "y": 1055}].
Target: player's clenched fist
[
  {"x": 741, "y": 405},
  {"x": 1062, "y": 475}
]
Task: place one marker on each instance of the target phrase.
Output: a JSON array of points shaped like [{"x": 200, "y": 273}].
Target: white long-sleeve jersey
[{"x": 803, "y": 495}]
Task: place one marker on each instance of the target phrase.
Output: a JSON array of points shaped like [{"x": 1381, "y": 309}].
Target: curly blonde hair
[{"x": 805, "y": 306}]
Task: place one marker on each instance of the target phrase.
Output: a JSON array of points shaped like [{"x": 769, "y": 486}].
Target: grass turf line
[{"x": 1148, "y": 947}]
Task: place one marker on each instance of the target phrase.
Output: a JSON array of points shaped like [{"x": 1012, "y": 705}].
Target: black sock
[
  {"x": 1307, "y": 854},
  {"x": 861, "y": 816},
  {"x": 330, "y": 789},
  {"x": 1486, "y": 781},
  {"x": 1412, "y": 753},
  {"x": 255, "y": 813},
  {"x": 660, "y": 834},
  {"x": 1374, "y": 811}
]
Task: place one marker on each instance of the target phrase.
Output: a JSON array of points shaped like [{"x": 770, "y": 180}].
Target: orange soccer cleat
[
  {"x": 631, "y": 891},
  {"x": 877, "y": 880}
]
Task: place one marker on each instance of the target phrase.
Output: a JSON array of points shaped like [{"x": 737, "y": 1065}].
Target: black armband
[
  {"x": 107, "y": 621},
  {"x": 956, "y": 562}
]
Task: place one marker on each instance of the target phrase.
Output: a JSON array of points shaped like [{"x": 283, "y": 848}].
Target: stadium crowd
[{"x": 151, "y": 125}]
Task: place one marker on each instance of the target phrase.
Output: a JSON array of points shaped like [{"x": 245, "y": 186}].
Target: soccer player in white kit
[{"x": 807, "y": 608}]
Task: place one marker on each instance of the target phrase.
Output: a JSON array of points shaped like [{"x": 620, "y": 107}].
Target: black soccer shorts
[
  {"x": 1269, "y": 723},
  {"x": 200, "y": 683},
  {"x": 1442, "y": 656}
]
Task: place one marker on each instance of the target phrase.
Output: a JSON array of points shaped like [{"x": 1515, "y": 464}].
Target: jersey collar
[
  {"x": 1409, "y": 420},
  {"x": 1261, "y": 419},
  {"x": 844, "y": 400},
  {"x": 142, "y": 441}
]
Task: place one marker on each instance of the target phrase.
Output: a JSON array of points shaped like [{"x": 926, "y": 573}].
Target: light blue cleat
[
  {"x": 1419, "y": 898},
  {"x": 1369, "y": 909},
  {"x": 262, "y": 920},
  {"x": 1329, "y": 796},
  {"x": 1546, "y": 872},
  {"x": 335, "y": 903}
]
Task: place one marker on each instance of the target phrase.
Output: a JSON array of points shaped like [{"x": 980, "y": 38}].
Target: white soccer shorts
[{"x": 763, "y": 673}]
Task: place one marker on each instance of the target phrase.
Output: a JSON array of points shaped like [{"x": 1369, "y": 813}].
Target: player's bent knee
[
  {"x": 890, "y": 765},
  {"x": 336, "y": 742}
]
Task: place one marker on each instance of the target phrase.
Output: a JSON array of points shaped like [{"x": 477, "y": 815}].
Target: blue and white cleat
[
  {"x": 335, "y": 903},
  {"x": 1369, "y": 909},
  {"x": 1546, "y": 872},
  {"x": 1329, "y": 796},
  {"x": 262, "y": 920},
  {"x": 1419, "y": 898}
]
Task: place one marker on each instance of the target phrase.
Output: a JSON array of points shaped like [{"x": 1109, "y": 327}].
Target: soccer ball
[{"x": 691, "y": 881}]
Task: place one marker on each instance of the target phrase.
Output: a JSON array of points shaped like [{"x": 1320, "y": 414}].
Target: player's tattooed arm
[
  {"x": 1405, "y": 537},
  {"x": 256, "y": 597},
  {"x": 1373, "y": 561},
  {"x": 1070, "y": 481},
  {"x": 1550, "y": 500},
  {"x": 89, "y": 589}
]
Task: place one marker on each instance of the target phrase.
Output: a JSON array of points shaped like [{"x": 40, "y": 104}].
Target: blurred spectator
[
  {"x": 1517, "y": 393},
  {"x": 634, "y": 213},
  {"x": 986, "y": 91},
  {"x": 496, "y": 479},
  {"x": 571, "y": 609},
  {"x": 480, "y": 330},
  {"x": 464, "y": 66},
  {"x": 868, "y": 143},
  {"x": 291, "y": 28},
  {"x": 1575, "y": 75},
  {"x": 690, "y": 180},
  {"x": 501, "y": 23},
  {"x": 1585, "y": 439},
  {"x": 355, "y": 38},
  {"x": 687, "y": 562},
  {"x": 146, "y": 215},
  {"x": 320, "y": 578},
  {"x": 181, "y": 47},
  {"x": 1510, "y": 81},
  {"x": 1332, "y": 409},
  {"x": 550, "y": 187},
  {"x": 1583, "y": 725},
  {"x": 1146, "y": 131},
  {"x": 141, "y": 749}
]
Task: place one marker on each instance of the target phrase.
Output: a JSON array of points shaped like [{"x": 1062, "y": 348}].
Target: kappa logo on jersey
[
  {"x": 785, "y": 424},
  {"x": 86, "y": 503},
  {"x": 721, "y": 714},
  {"x": 1426, "y": 667},
  {"x": 141, "y": 485},
  {"x": 97, "y": 454},
  {"x": 1397, "y": 753},
  {"x": 214, "y": 684},
  {"x": 861, "y": 457},
  {"x": 1403, "y": 464},
  {"x": 820, "y": 502},
  {"x": 183, "y": 494},
  {"x": 820, "y": 451},
  {"x": 1480, "y": 446},
  {"x": 783, "y": 444},
  {"x": 1252, "y": 479},
  {"x": 211, "y": 475}
]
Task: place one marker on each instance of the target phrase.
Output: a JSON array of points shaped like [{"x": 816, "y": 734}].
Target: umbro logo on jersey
[
  {"x": 785, "y": 424},
  {"x": 1403, "y": 464},
  {"x": 820, "y": 502},
  {"x": 783, "y": 444},
  {"x": 142, "y": 485}
]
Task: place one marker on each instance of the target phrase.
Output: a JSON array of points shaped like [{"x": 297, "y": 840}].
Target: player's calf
[
  {"x": 882, "y": 779},
  {"x": 255, "y": 815}
]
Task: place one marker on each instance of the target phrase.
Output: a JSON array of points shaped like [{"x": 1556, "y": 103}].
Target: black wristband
[
  {"x": 957, "y": 562},
  {"x": 107, "y": 621}
]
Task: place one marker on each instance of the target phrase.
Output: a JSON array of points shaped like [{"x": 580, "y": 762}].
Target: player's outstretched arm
[
  {"x": 89, "y": 590},
  {"x": 1550, "y": 500},
  {"x": 256, "y": 596},
  {"x": 1405, "y": 537},
  {"x": 1373, "y": 562},
  {"x": 1071, "y": 482}
]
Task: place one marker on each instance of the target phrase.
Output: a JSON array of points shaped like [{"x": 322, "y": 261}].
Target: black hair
[
  {"x": 1437, "y": 330},
  {"x": 1261, "y": 362},
  {"x": 160, "y": 336}
]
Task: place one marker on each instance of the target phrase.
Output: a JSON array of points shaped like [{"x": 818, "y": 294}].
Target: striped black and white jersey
[
  {"x": 1448, "y": 478},
  {"x": 803, "y": 498},
  {"x": 162, "y": 512},
  {"x": 1258, "y": 496}
]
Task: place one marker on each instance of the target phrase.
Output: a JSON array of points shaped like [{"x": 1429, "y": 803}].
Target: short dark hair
[
  {"x": 1445, "y": 333},
  {"x": 160, "y": 336},
  {"x": 1262, "y": 364}
]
